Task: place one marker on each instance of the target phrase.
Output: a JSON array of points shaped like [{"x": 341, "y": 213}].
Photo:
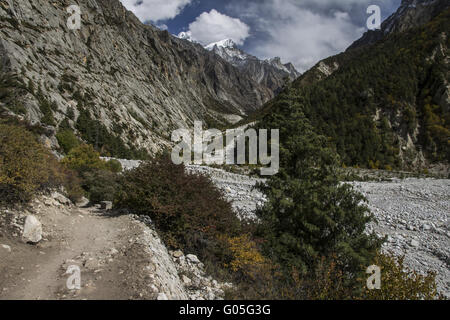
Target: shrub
[
  {"x": 84, "y": 158},
  {"x": 327, "y": 281},
  {"x": 23, "y": 164},
  {"x": 27, "y": 167},
  {"x": 100, "y": 185},
  {"x": 94, "y": 132},
  {"x": 72, "y": 184},
  {"x": 114, "y": 166},
  {"x": 401, "y": 283},
  {"x": 67, "y": 140},
  {"x": 98, "y": 177},
  {"x": 264, "y": 282},
  {"x": 47, "y": 109},
  {"x": 70, "y": 113},
  {"x": 245, "y": 255},
  {"x": 255, "y": 277},
  {"x": 188, "y": 210}
]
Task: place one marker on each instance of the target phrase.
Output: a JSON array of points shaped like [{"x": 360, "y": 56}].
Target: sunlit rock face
[{"x": 139, "y": 81}]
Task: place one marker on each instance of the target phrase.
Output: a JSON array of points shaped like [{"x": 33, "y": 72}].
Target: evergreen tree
[{"x": 309, "y": 214}]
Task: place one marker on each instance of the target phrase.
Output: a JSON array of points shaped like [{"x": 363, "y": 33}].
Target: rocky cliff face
[
  {"x": 271, "y": 73},
  {"x": 412, "y": 13},
  {"x": 139, "y": 82}
]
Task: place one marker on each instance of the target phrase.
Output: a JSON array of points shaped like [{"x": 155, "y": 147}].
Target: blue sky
[{"x": 299, "y": 31}]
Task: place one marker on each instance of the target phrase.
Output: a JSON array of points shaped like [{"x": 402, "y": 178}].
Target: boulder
[
  {"x": 414, "y": 243},
  {"x": 162, "y": 296},
  {"x": 32, "y": 230},
  {"x": 61, "y": 199},
  {"x": 177, "y": 254},
  {"x": 6, "y": 247},
  {"x": 83, "y": 202},
  {"x": 192, "y": 258},
  {"x": 186, "y": 280},
  {"x": 106, "y": 205}
]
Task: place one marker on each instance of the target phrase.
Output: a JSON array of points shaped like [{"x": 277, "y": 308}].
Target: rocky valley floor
[{"x": 413, "y": 213}]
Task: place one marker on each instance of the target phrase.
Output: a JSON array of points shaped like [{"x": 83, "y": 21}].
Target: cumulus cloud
[
  {"x": 303, "y": 32},
  {"x": 155, "y": 10},
  {"x": 214, "y": 26}
]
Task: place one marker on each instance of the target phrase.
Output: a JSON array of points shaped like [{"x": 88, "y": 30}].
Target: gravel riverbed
[{"x": 413, "y": 214}]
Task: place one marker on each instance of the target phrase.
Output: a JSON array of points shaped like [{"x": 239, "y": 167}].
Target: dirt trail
[{"x": 111, "y": 262}]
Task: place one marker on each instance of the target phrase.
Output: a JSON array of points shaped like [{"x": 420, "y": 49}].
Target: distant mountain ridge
[{"x": 271, "y": 73}]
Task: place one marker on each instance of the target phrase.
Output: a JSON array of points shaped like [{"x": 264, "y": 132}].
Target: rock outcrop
[{"x": 271, "y": 73}]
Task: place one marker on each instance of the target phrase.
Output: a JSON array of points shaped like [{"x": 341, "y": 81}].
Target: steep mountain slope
[
  {"x": 121, "y": 84},
  {"x": 380, "y": 105},
  {"x": 272, "y": 73},
  {"x": 412, "y": 13}
]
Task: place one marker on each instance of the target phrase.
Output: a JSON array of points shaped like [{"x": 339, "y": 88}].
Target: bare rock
[
  {"x": 83, "y": 202},
  {"x": 106, "y": 205},
  {"x": 61, "y": 199},
  {"x": 162, "y": 296},
  {"x": 192, "y": 258},
  {"x": 32, "y": 230},
  {"x": 6, "y": 247}
]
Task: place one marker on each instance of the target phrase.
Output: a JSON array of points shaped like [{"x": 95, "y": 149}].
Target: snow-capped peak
[
  {"x": 270, "y": 72},
  {"x": 227, "y": 43}
]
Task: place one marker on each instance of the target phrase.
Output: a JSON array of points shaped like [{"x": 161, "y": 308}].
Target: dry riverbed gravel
[{"x": 413, "y": 213}]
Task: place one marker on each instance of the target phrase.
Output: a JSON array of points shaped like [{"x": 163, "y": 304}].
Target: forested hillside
[{"x": 381, "y": 106}]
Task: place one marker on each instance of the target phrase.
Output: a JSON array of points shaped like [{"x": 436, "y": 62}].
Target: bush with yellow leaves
[
  {"x": 23, "y": 164},
  {"x": 401, "y": 283},
  {"x": 245, "y": 256},
  {"x": 84, "y": 158}
]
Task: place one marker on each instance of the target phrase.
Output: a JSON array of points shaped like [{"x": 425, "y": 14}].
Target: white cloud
[
  {"x": 162, "y": 26},
  {"x": 155, "y": 10},
  {"x": 214, "y": 26},
  {"x": 302, "y": 32},
  {"x": 308, "y": 38}
]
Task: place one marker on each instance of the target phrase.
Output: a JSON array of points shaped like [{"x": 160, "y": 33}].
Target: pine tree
[{"x": 309, "y": 214}]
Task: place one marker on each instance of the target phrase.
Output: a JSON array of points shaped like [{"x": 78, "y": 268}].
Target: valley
[{"x": 99, "y": 202}]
